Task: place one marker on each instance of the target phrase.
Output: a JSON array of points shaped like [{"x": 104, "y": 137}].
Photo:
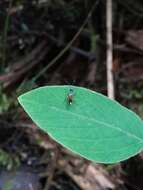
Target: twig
[
  {"x": 132, "y": 7},
  {"x": 109, "y": 61},
  {"x": 52, "y": 169},
  {"x": 26, "y": 64},
  {"x": 76, "y": 50}
]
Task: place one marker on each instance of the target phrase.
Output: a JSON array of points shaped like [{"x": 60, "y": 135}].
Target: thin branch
[{"x": 109, "y": 60}]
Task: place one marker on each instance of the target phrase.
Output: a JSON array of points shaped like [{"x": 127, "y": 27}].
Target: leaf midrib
[
  {"x": 97, "y": 121},
  {"x": 92, "y": 120}
]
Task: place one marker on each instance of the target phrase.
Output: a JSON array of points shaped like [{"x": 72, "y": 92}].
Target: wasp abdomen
[{"x": 70, "y": 96}]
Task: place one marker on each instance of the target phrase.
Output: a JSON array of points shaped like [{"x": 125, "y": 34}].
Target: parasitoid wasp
[{"x": 70, "y": 96}]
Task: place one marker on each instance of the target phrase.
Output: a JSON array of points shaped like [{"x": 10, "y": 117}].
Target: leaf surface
[{"x": 91, "y": 125}]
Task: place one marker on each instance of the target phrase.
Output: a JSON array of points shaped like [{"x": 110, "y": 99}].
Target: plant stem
[{"x": 109, "y": 58}]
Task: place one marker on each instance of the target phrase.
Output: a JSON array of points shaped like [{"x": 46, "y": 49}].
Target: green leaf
[{"x": 91, "y": 125}]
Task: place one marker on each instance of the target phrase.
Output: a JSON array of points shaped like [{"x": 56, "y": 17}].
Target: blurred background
[{"x": 70, "y": 42}]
